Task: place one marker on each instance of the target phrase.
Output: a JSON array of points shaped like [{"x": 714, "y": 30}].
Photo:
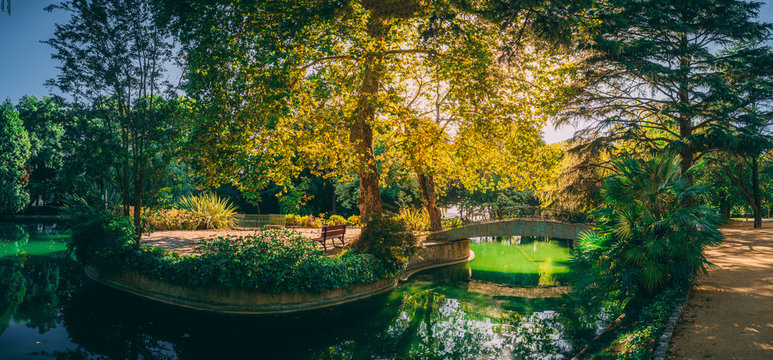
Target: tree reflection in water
[
  {"x": 432, "y": 326},
  {"x": 451, "y": 312}
]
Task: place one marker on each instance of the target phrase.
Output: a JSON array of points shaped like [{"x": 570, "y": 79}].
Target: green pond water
[{"x": 508, "y": 303}]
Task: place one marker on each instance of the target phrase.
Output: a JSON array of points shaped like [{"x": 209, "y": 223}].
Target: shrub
[
  {"x": 271, "y": 261},
  {"x": 653, "y": 230},
  {"x": 336, "y": 220},
  {"x": 293, "y": 220},
  {"x": 638, "y": 339},
  {"x": 210, "y": 211},
  {"x": 390, "y": 240},
  {"x": 171, "y": 219},
  {"x": 451, "y": 223},
  {"x": 103, "y": 239},
  {"x": 301, "y": 220},
  {"x": 415, "y": 219},
  {"x": 354, "y": 221}
]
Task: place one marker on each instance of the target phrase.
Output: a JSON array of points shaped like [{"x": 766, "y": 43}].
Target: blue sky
[{"x": 25, "y": 63}]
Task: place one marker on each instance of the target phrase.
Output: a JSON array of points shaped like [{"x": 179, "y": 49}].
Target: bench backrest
[{"x": 333, "y": 231}]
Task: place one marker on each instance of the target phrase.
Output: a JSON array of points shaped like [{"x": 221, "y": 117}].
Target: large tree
[
  {"x": 285, "y": 86},
  {"x": 652, "y": 74}
]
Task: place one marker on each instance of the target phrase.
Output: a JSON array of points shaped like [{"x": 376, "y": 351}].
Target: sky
[{"x": 26, "y": 64}]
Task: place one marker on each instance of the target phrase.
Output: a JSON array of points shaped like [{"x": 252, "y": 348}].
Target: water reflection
[
  {"x": 31, "y": 239},
  {"x": 433, "y": 326},
  {"x": 47, "y": 308}
]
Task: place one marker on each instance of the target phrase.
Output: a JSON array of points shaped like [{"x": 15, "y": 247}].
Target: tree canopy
[
  {"x": 655, "y": 75},
  {"x": 14, "y": 152},
  {"x": 282, "y": 87}
]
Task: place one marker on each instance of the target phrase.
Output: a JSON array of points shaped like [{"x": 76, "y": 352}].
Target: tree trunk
[
  {"x": 125, "y": 186},
  {"x": 685, "y": 119},
  {"x": 428, "y": 194},
  {"x": 757, "y": 198},
  {"x": 139, "y": 182},
  {"x": 724, "y": 208},
  {"x": 361, "y": 135},
  {"x": 333, "y": 204}
]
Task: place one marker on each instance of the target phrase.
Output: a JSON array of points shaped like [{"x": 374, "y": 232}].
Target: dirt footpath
[
  {"x": 729, "y": 314},
  {"x": 186, "y": 241}
]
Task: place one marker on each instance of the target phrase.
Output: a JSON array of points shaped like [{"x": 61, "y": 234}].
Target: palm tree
[{"x": 654, "y": 228}]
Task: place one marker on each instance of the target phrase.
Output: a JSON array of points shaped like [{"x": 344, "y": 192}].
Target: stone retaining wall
[
  {"x": 234, "y": 300},
  {"x": 246, "y": 301}
]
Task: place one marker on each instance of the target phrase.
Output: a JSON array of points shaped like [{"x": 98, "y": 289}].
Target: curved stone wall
[
  {"x": 438, "y": 253},
  {"x": 246, "y": 301},
  {"x": 233, "y": 300},
  {"x": 440, "y": 249}
]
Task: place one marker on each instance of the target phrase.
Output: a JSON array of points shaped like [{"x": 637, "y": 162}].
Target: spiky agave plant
[
  {"x": 210, "y": 210},
  {"x": 654, "y": 229}
]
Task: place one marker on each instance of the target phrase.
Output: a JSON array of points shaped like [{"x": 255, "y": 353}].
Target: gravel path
[
  {"x": 185, "y": 241},
  {"x": 729, "y": 313}
]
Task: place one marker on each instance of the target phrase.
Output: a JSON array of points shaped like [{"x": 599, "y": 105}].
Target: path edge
[{"x": 665, "y": 338}]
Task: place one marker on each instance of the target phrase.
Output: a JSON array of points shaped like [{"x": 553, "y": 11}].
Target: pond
[{"x": 508, "y": 303}]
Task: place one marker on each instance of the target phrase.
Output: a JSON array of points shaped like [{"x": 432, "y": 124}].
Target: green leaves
[
  {"x": 653, "y": 231},
  {"x": 14, "y": 153}
]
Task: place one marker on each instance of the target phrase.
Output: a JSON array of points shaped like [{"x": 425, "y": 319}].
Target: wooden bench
[{"x": 332, "y": 232}]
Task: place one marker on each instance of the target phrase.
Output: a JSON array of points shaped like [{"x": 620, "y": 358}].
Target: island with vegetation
[{"x": 380, "y": 179}]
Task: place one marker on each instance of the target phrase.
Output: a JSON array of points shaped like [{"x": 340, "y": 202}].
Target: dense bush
[
  {"x": 171, "y": 219},
  {"x": 270, "y": 260},
  {"x": 14, "y": 152},
  {"x": 451, "y": 223},
  {"x": 103, "y": 239},
  {"x": 311, "y": 221},
  {"x": 654, "y": 228},
  {"x": 354, "y": 221},
  {"x": 390, "y": 240},
  {"x": 336, "y": 220},
  {"x": 637, "y": 338}
]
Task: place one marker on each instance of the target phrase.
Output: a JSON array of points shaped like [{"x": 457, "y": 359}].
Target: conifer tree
[{"x": 652, "y": 76}]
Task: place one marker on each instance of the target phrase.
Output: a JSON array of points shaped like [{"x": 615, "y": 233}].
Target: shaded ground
[
  {"x": 729, "y": 314},
  {"x": 185, "y": 241}
]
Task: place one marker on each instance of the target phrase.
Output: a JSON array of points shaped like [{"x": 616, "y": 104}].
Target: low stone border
[
  {"x": 234, "y": 300},
  {"x": 410, "y": 271},
  {"x": 252, "y": 302},
  {"x": 665, "y": 338}
]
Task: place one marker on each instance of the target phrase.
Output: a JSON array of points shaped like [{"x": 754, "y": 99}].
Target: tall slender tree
[{"x": 114, "y": 55}]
